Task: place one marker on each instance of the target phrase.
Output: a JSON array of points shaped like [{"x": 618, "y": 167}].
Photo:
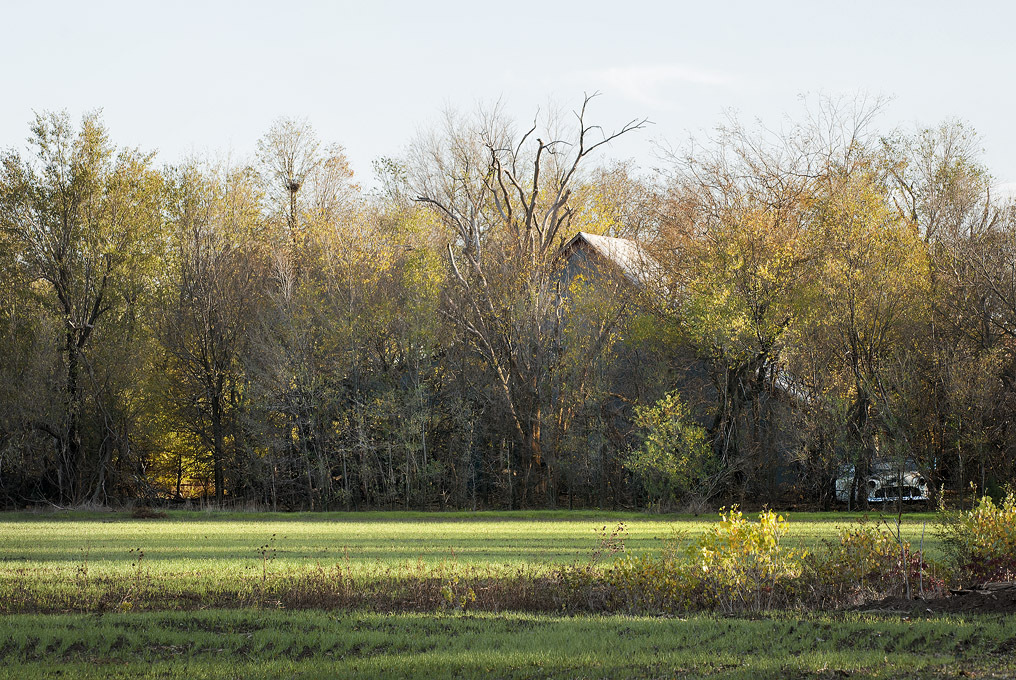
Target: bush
[
  {"x": 147, "y": 512},
  {"x": 646, "y": 584},
  {"x": 982, "y": 541},
  {"x": 675, "y": 460},
  {"x": 869, "y": 562},
  {"x": 736, "y": 566},
  {"x": 742, "y": 566},
  {"x": 746, "y": 564}
]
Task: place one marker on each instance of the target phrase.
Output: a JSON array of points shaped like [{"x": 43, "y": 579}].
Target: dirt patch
[{"x": 990, "y": 598}]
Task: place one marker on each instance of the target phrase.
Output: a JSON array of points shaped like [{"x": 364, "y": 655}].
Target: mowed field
[
  {"x": 227, "y": 544},
  {"x": 89, "y": 594}
]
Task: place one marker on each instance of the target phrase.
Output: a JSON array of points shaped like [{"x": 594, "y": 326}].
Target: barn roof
[{"x": 627, "y": 255}]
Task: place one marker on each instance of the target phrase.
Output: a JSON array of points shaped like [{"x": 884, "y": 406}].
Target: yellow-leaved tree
[
  {"x": 869, "y": 294},
  {"x": 732, "y": 251}
]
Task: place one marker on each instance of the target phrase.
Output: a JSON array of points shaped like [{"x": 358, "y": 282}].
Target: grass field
[
  {"x": 107, "y": 595},
  {"x": 229, "y": 543},
  {"x": 67, "y": 561},
  {"x": 315, "y": 644}
]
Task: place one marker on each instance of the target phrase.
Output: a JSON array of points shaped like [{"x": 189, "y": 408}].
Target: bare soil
[{"x": 988, "y": 598}]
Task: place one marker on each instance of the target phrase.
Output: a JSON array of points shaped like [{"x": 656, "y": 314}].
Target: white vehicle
[{"x": 887, "y": 482}]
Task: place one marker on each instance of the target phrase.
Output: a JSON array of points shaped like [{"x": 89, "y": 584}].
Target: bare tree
[
  {"x": 289, "y": 152},
  {"x": 506, "y": 200}
]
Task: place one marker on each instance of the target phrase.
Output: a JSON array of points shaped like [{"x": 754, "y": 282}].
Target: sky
[{"x": 209, "y": 78}]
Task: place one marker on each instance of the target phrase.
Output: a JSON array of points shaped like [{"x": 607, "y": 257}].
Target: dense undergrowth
[
  {"x": 741, "y": 566},
  {"x": 981, "y": 542}
]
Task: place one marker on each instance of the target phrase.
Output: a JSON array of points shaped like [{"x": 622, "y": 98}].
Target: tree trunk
[
  {"x": 73, "y": 460},
  {"x": 218, "y": 440}
]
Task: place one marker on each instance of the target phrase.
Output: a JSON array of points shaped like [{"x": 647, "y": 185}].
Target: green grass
[
  {"x": 218, "y": 541},
  {"x": 87, "y": 565},
  {"x": 315, "y": 644},
  {"x": 73, "y": 561}
]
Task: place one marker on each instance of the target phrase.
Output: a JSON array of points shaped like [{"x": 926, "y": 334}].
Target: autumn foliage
[{"x": 269, "y": 333}]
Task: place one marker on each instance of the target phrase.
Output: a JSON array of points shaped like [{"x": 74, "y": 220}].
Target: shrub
[
  {"x": 675, "y": 459},
  {"x": 742, "y": 566},
  {"x": 982, "y": 541},
  {"x": 868, "y": 562},
  {"x": 747, "y": 564},
  {"x": 457, "y": 596},
  {"x": 646, "y": 584},
  {"x": 147, "y": 512},
  {"x": 738, "y": 565}
]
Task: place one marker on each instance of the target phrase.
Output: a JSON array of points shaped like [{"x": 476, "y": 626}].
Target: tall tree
[
  {"x": 507, "y": 203},
  {"x": 735, "y": 270},
  {"x": 87, "y": 220},
  {"x": 311, "y": 196},
  {"x": 871, "y": 295},
  {"x": 212, "y": 293}
]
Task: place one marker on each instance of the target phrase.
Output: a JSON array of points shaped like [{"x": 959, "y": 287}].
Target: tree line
[{"x": 270, "y": 333}]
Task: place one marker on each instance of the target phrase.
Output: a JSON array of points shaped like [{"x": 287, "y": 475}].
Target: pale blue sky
[{"x": 208, "y": 77}]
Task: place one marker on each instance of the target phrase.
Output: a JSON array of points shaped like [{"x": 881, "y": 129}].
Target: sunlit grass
[
  {"x": 68, "y": 559},
  {"x": 202, "y": 540},
  {"x": 89, "y": 563}
]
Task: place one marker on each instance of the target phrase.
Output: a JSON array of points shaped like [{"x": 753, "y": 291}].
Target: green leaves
[{"x": 675, "y": 460}]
